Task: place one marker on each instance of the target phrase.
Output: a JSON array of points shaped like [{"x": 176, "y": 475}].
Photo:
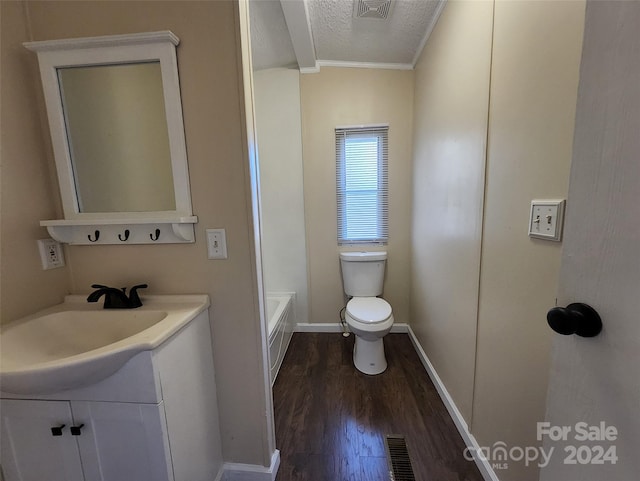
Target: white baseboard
[
  {"x": 337, "y": 327},
  {"x": 484, "y": 466},
  {"x": 252, "y": 472},
  {"x": 400, "y": 328}
]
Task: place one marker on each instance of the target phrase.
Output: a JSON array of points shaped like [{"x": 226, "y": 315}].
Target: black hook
[
  {"x": 576, "y": 318},
  {"x": 157, "y": 235},
  {"x": 97, "y": 236},
  {"x": 126, "y": 235}
]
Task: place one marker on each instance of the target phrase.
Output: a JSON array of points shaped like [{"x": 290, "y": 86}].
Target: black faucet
[{"x": 117, "y": 298}]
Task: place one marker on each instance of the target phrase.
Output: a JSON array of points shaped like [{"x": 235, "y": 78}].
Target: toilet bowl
[
  {"x": 368, "y": 316},
  {"x": 369, "y": 319}
]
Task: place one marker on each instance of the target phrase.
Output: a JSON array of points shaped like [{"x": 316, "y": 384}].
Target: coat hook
[
  {"x": 126, "y": 235},
  {"x": 97, "y": 236},
  {"x": 157, "y": 235}
]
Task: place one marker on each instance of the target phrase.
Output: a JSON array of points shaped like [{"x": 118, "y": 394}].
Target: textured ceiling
[
  {"x": 270, "y": 42},
  {"x": 338, "y": 36}
]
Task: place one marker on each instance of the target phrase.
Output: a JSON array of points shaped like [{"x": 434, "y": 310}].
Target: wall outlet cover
[{"x": 51, "y": 255}]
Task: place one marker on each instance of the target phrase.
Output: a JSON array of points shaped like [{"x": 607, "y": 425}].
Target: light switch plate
[
  {"x": 546, "y": 219},
  {"x": 216, "y": 244}
]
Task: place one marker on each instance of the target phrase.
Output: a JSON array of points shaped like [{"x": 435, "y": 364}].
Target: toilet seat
[{"x": 369, "y": 310}]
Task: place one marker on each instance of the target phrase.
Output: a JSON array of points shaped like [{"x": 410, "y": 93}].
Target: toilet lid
[{"x": 369, "y": 309}]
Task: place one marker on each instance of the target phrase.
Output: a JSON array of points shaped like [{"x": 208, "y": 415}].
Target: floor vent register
[{"x": 398, "y": 458}]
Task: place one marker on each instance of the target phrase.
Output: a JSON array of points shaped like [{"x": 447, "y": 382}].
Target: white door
[
  {"x": 123, "y": 441},
  {"x": 30, "y": 450},
  {"x": 596, "y": 381}
]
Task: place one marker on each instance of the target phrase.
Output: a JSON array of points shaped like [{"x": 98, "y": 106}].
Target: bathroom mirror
[
  {"x": 117, "y": 134},
  {"x": 115, "y": 116}
]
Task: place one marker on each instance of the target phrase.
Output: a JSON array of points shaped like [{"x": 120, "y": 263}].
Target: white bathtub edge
[{"x": 280, "y": 326}]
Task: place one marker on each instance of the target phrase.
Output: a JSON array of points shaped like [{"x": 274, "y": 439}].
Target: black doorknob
[{"x": 576, "y": 318}]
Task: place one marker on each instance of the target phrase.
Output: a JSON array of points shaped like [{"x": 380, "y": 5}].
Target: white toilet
[{"x": 369, "y": 317}]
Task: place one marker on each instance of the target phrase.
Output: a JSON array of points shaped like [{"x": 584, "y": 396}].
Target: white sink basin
[{"x": 77, "y": 343}]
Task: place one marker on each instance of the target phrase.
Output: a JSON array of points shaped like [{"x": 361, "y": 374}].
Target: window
[{"x": 361, "y": 185}]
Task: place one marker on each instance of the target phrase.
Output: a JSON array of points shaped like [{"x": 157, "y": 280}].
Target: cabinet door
[
  {"x": 123, "y": 441},
  {"x": 29, "y": 450}
]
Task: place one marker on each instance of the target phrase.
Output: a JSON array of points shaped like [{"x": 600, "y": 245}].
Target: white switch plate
[
  {"x": 216, "y": 243},
  {"x": 546, "y": 219},
  {"x": 51, "y": 254}
]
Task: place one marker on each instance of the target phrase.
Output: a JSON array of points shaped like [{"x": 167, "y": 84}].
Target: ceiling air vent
[{"x": 372, "y": 8}]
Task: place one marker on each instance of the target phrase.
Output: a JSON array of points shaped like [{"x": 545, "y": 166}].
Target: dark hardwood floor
[{"x": 331, "y": 419}]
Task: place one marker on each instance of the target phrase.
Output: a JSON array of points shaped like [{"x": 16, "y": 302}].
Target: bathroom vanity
[{"x": 153, "y": 419}]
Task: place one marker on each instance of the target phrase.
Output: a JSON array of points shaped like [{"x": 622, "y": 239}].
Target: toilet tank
[{"x": 363, "y": 273}]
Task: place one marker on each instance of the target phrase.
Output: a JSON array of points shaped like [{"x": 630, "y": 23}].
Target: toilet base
[{"x": 368, "y": 356}]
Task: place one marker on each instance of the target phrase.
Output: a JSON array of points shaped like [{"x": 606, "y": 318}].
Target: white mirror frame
[{"x": 112, "y": 227}]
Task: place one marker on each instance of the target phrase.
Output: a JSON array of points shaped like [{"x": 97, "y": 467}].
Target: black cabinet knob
[
  {"x": 576, "y": 318},
  {"x": 57, "y": 430},
  {"x": 75, "y": 430}
]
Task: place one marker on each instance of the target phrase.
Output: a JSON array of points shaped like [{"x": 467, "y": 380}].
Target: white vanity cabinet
[
  {"x": 155, "y": 419},
  {"x": 117, "y": 441},
  {"x": 123, "y": 441},
  {"x": 29, "y": 450}
]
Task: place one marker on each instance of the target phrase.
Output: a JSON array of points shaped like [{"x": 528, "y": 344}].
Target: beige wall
[
  {"x": 209, "y": 62},
  {"x": 28, "y": 194},
  {"x": 450, "y": 122},
  {"x": 534, "y": 81},
  {"x": 340, "y": 97},
  {"x": 534, "y": 77}
]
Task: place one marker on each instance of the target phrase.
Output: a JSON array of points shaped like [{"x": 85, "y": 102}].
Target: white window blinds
[{"x": 361, "y": 185}]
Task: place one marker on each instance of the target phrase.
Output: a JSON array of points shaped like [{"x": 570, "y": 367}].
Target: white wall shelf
[{"x": 168, "y": 230}]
